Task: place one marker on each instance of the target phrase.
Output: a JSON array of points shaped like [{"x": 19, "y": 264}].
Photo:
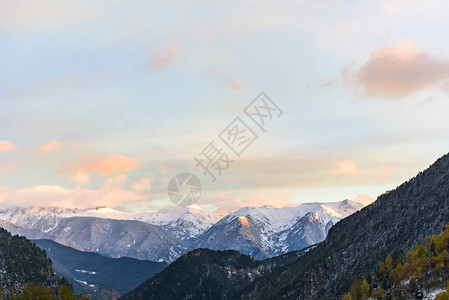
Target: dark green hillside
[
  {"x": 22, "y": 261},
  {"x": 207, "y": 274}
]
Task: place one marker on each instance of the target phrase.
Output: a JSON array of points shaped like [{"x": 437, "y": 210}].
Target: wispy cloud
[
  {"x": 400, "y": 69},
  {"x": 81, "y": 177},
  {"x": 50, "y": 147},
  {"x": 322, "y": 84},
  {"x": 364, "y": 199},
  {"x": 112, "y": 193},
  {"x": 162, "y": 168},
  {"x": 3, "y": 193},
  {"x": 106, "y": 165},
  {"x": 7, "y": 146},
  {"x": 46, "y": 15},
  {"x": 143, "y": 185},
  {"x": 7, "y": 167},
  {"x": 346, "y": 167},
  {"x": 235, "y": 85},
  {"x": 379, "y": 175},
  {"x": 162, "y": 59}
]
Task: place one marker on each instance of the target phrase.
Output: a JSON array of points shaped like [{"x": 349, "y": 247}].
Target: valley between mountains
[
  {"x": 105, "y": 252},
  {"x": 313, "y": 251}
]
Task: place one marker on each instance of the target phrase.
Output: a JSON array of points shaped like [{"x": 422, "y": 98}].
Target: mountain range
[
  {"x": 354, "y": 247},
  {"x": 335, "y": 242},
  {"x": 267, "y": 231},
  {"x": 167, "y": 234}
]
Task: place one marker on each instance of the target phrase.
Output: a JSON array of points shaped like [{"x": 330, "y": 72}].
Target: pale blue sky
[{"x": 363, "y": 86}]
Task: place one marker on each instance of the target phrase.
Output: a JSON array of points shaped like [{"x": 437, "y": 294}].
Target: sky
[{"x": 103, "y": 102}]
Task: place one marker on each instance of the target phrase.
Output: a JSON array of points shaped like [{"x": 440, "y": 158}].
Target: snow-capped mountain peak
[
  {"x": 186, "y": 222},
  {"x": 266, "y": 231},
  {"x": 169, "y": 215},
  {"x": 105, "y": 212},
  {"x": 261, "y": 231}
]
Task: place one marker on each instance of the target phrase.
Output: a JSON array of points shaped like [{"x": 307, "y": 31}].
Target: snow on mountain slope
[
  {"x": 345, "y": 207},
  {"x": 118, "y": 238},
  {"x": 184, "y": 222},
  {"x": 266, "y": 231},
  {"x": 105, "y": 212},
  {"x": 279, "y": 219},
  {"x": 46, "y": 219},
  {"x": 261, "y": 231},
  {"x": 38, "y": 218}
]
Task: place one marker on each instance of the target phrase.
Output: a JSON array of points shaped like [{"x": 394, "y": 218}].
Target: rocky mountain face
[
  {"x": 266, "y": 231},
  {"x": 98, "y": 275},
  {"x": 110, "y": 232},
  {"x": 22, "y": 262},
  {"x": 185, "y": 223},
  {"x": 165, "y": 235},
  {"x": 354, "y": 246},
  {"x": 118, "y": 238},
  {"x": 17, "y": 230}
]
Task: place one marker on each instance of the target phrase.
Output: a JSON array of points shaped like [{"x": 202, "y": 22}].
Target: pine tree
[
  {"x": 364, "y": 289},
  {"x": 347, "y": 297},
  {"x": 354, "y": 290},
  {"x": 66, "y": 293}
]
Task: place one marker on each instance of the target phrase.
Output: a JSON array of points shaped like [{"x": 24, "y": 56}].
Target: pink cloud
[
  {"x": 50, "y": 147},
  {"x": 400, "y": 69},
  {"x": 364, "y": 199},
  {"x": 81, "y": 177},
  {"x": 235, "y": 85},
  {"x": 106, "y": 165},
  {"x": 112, "y": 193},
  {"x": 162, "y": 168},
  {"x": 7, "y": 146},
  {"x": 163, "y": 58},
  {"x": 385, "y": 172},
  {"x": 379, "y": 175},
  {"x": 322, "y": 84},
  {"x": 7, "y": 167},
  {"x": 143, "y": 185},
  {"x": 346, "y": 167},
  {"x": 3, "y": 193}
]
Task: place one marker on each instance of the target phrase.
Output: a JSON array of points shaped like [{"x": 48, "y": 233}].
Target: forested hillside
[
  {"x": 27, "y": 273},
  {"x": 397, "y": 221},
  {"x": 207, "y": 274},
  {"x": 420, "y": 271},
  {"x": 22, "y": 261}
]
